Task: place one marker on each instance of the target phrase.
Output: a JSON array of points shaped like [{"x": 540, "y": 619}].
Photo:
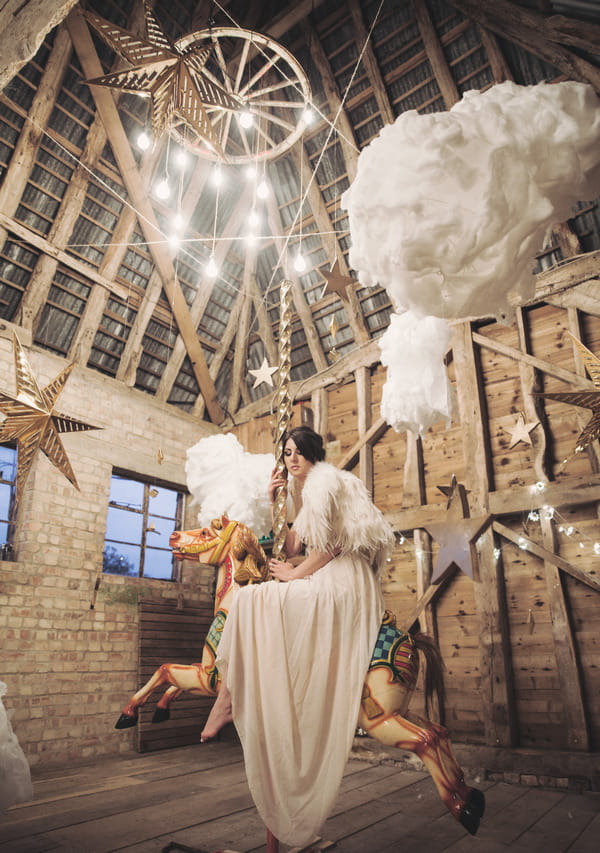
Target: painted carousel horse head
[{"x": 222, "y": 542}]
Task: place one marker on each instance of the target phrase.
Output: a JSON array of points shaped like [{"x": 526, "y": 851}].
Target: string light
[
  {"x": 246, "y": 119},
  {"x": 522, "y": 543},
  {"x": 180, "y": 158},
  {"x": 308, "y": 115},
  {"x": 162, "y": 190},
  {"x": 534, "y": 515},
  {"x": 211, "y": 269},
  {"x": 174, "y": 241},
  {"x": 262, "y": 190},
  {"x": 539, "y": 486},
  {"x": 300, "y": 262},
  {"x": 596, "y": 547},
  {"x": 497, "y": 553},
  {"x": 143, "y": 141}
]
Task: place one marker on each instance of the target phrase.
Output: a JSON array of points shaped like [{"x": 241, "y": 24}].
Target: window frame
[{"x": 147, "y": 483}]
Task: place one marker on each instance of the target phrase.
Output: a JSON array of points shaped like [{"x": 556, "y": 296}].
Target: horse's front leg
[
  {"x": 383, "y": 716},
  {"x": 198, "y": 678}
]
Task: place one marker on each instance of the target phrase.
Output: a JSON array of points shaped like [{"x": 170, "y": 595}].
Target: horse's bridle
[{"x": 223, "y": 536}]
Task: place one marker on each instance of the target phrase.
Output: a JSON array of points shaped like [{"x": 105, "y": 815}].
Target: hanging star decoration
[
  {"x": 336, "y": 281},
  {"x": 176, "y": 80},
  {"x": 520, "y": 431},
  {"x": 585, "y": 399},
  {"x": 456, "y": 535},
  {"x": 263, "y": 374},
  {"x": 32, "y": 421}
]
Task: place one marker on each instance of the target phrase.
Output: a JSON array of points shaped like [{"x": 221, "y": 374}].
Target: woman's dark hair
[{"x": 308, "y": 442}]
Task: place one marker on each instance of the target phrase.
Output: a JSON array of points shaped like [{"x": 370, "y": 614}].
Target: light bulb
[
  {"x": 596, "y": 547},
  {"x": 180, "y": 158},
  {"x": 262, "y": 190},
  {"x": 497, "y": 553},
  {"x": 253, "y": 218},
  {"x": 300, "y": 263},
  {"x": 217, "y": 176},
  {"x": 539, "y": 486},
  {"x": 211, "y": 269},
  {"x": 533, "y": 515},
  {"x": 251, "y": 173},
  {"x": 308, "y": 115},
  {"x": 174, "y": 241},
  {"x": 246, "y": 118},
  {"x": 522, "y": 543},
  {"x": 162, "y": 189},
  {"x": 177, "y": 222},
  {"x": 251, "y": 239},
  {"x": 143, "y": 141}
]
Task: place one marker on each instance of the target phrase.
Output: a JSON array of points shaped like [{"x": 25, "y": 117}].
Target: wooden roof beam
[
  {"x": 435, "y": 55},
  {"x": 106, "y": 107},
  {"x": 530, "y": 30},
  {"x": 370, "y": 62},
  {"x": 240, "y": 358}
]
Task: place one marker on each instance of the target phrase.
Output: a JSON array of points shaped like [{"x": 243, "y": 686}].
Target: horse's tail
[{"x": 434, "y": 668}]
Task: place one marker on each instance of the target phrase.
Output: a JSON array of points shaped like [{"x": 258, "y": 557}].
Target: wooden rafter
[
  {"x": 106, "y": 107},
  {"x": 435, "y": 55},
  {"x": 536, "y": 33},
  {"x": 240, "y": 358}
]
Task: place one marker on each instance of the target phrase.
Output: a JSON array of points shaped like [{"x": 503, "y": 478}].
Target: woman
[{"x": 293, "y": 656}]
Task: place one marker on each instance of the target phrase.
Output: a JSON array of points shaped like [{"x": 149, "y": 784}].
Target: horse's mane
[{"x": 253, "y": 561}]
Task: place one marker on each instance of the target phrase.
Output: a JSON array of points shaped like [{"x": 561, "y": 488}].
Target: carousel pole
[
  {"x": 283, "y": 413},
  {"x": 283, "y": 416}
]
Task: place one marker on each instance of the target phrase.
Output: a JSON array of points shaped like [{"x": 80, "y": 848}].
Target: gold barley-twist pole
[{"x": 284, "y": 413}]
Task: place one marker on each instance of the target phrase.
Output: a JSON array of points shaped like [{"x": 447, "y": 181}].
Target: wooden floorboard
[{"x": 197, "y": 796}]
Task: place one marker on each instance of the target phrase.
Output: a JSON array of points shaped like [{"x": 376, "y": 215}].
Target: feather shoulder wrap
[{"x": 338, "y": 514}]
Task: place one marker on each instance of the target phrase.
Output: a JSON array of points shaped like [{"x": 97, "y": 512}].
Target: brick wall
[{"x": 69, "y": 668}]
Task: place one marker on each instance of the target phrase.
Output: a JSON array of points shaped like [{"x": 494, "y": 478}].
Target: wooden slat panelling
[{"x": 168, "y": 634}]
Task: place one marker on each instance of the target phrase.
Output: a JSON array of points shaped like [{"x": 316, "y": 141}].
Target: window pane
[
  {"x": 4, "y": 501},
  {"x": 3, "y": 532},
  {"x": 158, "y": 564},
  {"x": 121, "y": 559},
  {"x": 126, "y": 492},
  {"x": 8, "y": 463},
  {"x": 124, "y": 525},
  {"x": 164, "y": 502},
  {"x": 158, "y": 536}
]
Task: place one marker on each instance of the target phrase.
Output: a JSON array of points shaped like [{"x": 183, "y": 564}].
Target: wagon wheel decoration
[{"x": 266, "y": 81}]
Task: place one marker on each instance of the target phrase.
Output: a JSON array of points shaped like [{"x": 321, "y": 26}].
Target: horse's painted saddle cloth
[
  {"x": 396, "y": 651},
  {"x": 393, "y": 649}
]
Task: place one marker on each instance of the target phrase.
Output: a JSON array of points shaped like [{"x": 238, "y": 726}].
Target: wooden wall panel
[{"x": 171, "y": 634}]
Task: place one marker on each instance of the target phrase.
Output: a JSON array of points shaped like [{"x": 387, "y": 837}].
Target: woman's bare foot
[{"x": 219, "y": 716}]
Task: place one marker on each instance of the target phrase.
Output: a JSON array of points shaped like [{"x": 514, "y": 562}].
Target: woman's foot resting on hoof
[{"x": 219, "y": 716}]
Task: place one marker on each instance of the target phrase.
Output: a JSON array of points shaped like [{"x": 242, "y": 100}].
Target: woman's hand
[
  {"x": 278, "y": 479},
  {"x": 282, "y": 571}
]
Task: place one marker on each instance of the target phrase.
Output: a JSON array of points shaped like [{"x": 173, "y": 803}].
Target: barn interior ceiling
[{"x": 157, "y": 259}]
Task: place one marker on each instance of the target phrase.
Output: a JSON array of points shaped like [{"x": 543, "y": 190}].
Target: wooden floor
[{"x": 197, "y": 796}]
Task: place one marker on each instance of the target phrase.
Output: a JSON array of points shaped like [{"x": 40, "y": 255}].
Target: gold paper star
[
  {"x": 175, "y": 79},
  {"x": 457, "y": 534},
  {"x": 336, "y": 282},
  {"x": 263, "y": 374},
  {"x": 33, "y": 423},
  {"x": 585, "y": 399},
  {"x": 520, "y": 431}
]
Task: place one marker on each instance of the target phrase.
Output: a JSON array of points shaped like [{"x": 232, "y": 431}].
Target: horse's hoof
[
  {"x": 126, "y": 721},
  {"x": 160, "y": 715},
  {"x": 472, "y": 811}
]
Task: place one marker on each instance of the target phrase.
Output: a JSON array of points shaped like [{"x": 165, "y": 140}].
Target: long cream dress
[{"x": 295, "y": 655}]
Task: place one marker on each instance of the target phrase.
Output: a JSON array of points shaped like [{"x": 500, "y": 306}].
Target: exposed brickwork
[{"x": 69, "y": 668}]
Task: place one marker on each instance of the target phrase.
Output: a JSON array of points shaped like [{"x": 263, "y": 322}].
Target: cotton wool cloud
[{"x": 448, "y": 210}]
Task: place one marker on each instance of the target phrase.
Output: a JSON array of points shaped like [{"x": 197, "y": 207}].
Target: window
[
  {"x": 8, "y": 480},
  {"x": 141, "y": 518}
]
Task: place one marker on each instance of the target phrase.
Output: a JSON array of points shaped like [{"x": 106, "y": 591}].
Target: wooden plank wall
[
  {"x": 171, "y": 634},
  {"x": 521, "y": 644}
]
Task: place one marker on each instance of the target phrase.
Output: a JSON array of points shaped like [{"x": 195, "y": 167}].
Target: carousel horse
[{"x": 388, "y": 687}]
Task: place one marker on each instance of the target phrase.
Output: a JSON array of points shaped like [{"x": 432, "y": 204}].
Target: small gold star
[
  {"x": 32, "y": 421},
  {"x": 520, "y": 431},
  {"x": 336, "y": 282},
  {"x": 263, "y": 374}
]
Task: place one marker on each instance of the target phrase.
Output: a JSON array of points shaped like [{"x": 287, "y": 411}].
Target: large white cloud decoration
[{"x": 448, "y": 209}]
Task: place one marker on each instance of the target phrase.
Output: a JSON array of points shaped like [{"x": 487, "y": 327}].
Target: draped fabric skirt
[{"x": 294, "y": 656}]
